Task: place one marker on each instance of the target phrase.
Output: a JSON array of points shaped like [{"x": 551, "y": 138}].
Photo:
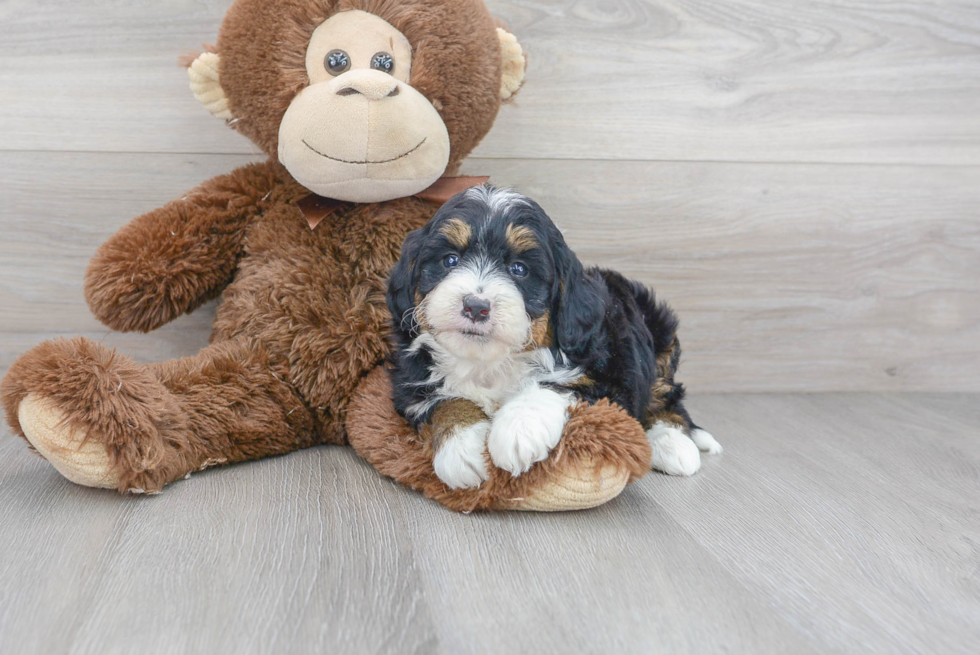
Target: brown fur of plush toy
[
  {"x": 303, "y": 320},
  {"x": 602, "y": 450},
  {"x": 303, "y": 317}
]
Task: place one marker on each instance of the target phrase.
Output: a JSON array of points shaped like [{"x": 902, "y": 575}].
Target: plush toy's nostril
[
  {"x": 372, "y": 87},
  {"x": 476, "y": 309}
]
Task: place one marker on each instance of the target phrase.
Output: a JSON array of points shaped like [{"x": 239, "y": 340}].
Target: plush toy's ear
[
  {"x": 203, "y": 73},
  {"x": 401, "y": 299},
  {"x": 514, "y": 64}
]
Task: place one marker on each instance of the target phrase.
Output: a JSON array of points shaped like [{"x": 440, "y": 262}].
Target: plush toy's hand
[
  {"x": 527, "y": 428},
  {"x": 173, "y": 259}
]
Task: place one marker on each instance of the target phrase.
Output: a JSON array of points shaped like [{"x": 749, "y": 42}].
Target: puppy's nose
[{"x": 476, "y": 309}]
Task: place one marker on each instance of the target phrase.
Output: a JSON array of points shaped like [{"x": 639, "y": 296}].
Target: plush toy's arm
[
  {"x": 175, "y": 258},
  {"x": 602, "y": 449}
]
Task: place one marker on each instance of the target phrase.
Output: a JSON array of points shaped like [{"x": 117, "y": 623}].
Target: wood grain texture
[
  {"x": 620, "y": 579},
  {"x": 856, "y": 516},
  {"x": 802, "y": 277},
  {"x": 885, "y": 81},
  {"x": 789, "y": 277},
  {"x": 294, "y": 554},
  {"x": 831, "y": 524},
  {"x": 800, "y": 179}
]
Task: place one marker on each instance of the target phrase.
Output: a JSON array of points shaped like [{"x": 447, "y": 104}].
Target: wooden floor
[
  {"x": 831, "y": 524},
  {"x": 801, "y": 179}
]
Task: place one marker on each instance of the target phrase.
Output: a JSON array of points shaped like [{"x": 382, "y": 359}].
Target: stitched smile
[{"x": 383, "y": 161}]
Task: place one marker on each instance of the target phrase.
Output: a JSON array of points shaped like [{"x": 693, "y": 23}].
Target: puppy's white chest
[
  {"x": 489, "y": 384},
  {"x": 488, "y": 387}
]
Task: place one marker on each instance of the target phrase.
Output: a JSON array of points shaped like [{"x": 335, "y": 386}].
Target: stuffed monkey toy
[{"x": 364, "y": 108}]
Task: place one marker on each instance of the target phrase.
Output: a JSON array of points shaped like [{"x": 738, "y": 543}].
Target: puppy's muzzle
[{"x": 476, "y": 309}]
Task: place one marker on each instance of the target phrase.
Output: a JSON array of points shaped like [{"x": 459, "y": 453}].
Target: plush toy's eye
[
  {"x": 383, "y": 62},
  {"x": 518, "y": 269},
  {"x": 450, "y": 261},
  {"x": 336, "y": 62}
]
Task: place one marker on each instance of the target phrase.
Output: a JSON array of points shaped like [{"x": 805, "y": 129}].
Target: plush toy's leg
[
  {"x": 104, "y": 421},
  {"x": 602, "y": 449}
]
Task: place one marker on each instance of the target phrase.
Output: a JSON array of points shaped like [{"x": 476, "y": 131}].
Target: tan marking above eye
[
  {"x": 521, "y": 238},
  {"x": 458, "y": 232}
]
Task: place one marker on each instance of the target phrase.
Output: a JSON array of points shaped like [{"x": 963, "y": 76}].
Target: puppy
[{"x": 498, "y": 330}]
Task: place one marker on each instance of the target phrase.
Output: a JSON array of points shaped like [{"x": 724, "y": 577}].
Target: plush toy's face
[
  {"x": 361, "y": 100},
  {"x": 360, "y": 131}
]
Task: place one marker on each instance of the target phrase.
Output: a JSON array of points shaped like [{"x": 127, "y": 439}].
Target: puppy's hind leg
[
  {"x": 674, "y": 438},
  {"x": 672, "y": 451},
  {"x": 703, "y": 439},
  {"x": 705, "y": 442},
  {"x": 675, "y": 441}
]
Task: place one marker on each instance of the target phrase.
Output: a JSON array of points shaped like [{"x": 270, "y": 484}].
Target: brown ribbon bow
[{"x": 316, "y": 208}]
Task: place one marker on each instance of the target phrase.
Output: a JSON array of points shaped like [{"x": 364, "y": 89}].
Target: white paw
[
  {"x": 705, "y": 442},
  {"x": 460, "y": 462},
  {"x": 673, "y": 451},
  {"x": 526, "y": 428}
]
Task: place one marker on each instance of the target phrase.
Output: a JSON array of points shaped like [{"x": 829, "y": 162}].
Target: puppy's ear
[
  {"x": 580, "y": 306},
  {"x": 401, "y": 283}
]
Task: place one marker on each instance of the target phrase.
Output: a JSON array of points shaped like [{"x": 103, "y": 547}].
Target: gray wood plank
[
  {"x": 802, "y": 278},
  {"x": 58, "y": 209},
  {"x": 295, "y": 554},
  {"x": 619, "y": 579},
  {"x": 825, "y": 81},
  {"x": 855, "y": 516},
  {"x": 832, "y": 523}
]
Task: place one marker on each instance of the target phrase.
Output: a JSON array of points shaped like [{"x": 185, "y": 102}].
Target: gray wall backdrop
[{"x": 801, "y": 178}]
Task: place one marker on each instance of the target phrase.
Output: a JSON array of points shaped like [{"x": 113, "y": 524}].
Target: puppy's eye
[
  {"x": 450, "y": 261},
  {"x": 383, "y": 62},
  {"x": 518, "y": 269},
  {"x": 336, "y": 62}
]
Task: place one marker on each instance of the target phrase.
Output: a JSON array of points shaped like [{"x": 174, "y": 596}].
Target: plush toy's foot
[
  {"x": 103, "y": 420},
  {"x": 602, "y": 449},
  {"x": 82, "y": 460},
  {"x": 576, "y": 487},
  {"x": 98, "y": 417}
]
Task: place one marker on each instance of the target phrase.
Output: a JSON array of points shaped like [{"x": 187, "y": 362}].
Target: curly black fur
[{"x": 613, "y": 329}]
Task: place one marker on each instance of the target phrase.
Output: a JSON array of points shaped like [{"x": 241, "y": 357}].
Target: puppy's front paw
[
  {"x": 672, "y": 451},
  {"x": 526, "y": 428},
  {"x": 460, "y": 462}
]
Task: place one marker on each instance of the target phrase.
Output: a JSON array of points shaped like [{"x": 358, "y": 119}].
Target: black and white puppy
[{"x": 498, "y": 330}]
